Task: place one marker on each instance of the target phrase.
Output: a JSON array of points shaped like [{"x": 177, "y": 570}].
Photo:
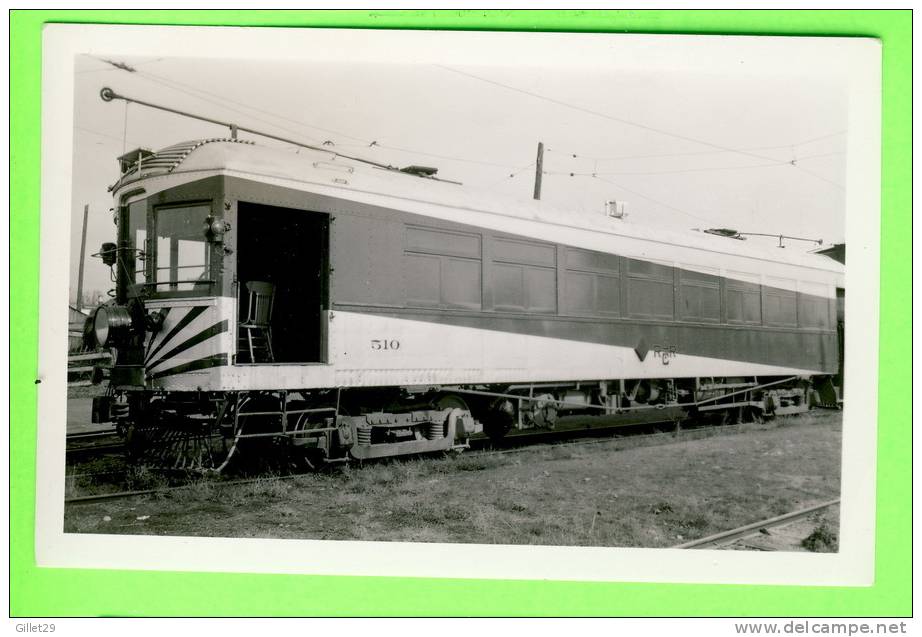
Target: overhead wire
[
  {"x": 556, "y": 149},
  {"x": 656, "y": 201},
  {"x": 224, "y": 99},
  {"x": 613, "y": 118},
  {"x": 511, "y": 175},
  {"x": 187, "y": 88},
  {"x": 193, "y": 91},
  {"x": 448, "y": 157},
  {"x": 112, "y": 67},
  {"x": 690, "y": 170},
  {"x": 101, "y": 134},
  {"x": 198, "y": 93},
  {"x": 169, "y": 84},
  {"x": 620, "y": 120},
  {"x": 125, "y": 131},
  {"x": 820, "y": 177},
  {"x": 376, "y": 144}
]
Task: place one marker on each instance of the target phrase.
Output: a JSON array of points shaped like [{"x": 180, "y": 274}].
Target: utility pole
[
  {"x": 86, "y": 211},
  {"x": 539, "y": 170}
]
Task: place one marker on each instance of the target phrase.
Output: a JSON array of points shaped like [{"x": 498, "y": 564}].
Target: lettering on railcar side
[{"x": 665, "y": 353}]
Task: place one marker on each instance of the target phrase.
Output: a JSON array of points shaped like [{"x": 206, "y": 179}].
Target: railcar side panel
[{"x": 500, "y": 307}]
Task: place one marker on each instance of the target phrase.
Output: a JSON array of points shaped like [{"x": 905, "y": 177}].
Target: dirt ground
[{"x": 607, "y": 494}]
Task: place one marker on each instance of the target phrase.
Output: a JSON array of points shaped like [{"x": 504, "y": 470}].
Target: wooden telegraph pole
[
  {"x": 86, "y": 210},
  {"x": 539, "y": 170}
]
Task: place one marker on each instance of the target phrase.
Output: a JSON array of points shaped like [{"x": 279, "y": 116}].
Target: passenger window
[
  {"x": 813, "y": 305},
  {"x": 700, "y": 296},
  {"x": 524, "y": 276},
  {"x": 650, "y": 290},
  {"x": 442, "y": 268},
  {"x": 744, "y": 299},
  {"x": 593, "y": 282},
  {"x": 779, "y": 303}
]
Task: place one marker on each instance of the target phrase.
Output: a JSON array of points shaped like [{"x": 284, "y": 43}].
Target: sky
[{"x": 756, "y": 152}]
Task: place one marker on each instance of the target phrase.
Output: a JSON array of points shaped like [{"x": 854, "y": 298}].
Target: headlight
[{"x": 111, "y": 324}]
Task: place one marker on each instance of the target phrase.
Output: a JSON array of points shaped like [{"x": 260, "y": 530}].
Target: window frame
[
  {"x": 159, "y": 289},
  {"x": 525, "y": 263},
  {"x": 693, "y": 279},
  {"x": 599, "y": 268},
  {"x": 444, "y": 256},
  {"x": 651, "y": 278}
]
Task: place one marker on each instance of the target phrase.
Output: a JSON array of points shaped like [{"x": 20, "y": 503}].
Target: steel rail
[
  {"x": 725, "y": 537},
  {"x": 667, "y": 438},
  {"x": 84, "y": 435},
  {"x": 83, "y": 499},
  {"x": 127, "y": 494},
  {"x": 94, "y": 449}
]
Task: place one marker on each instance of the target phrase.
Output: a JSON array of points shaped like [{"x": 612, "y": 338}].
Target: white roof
[{"x": 328, "y": 173}]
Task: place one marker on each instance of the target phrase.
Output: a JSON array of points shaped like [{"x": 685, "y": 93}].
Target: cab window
[
  {"x": 183, "y": 253},
  {"x": 137, "y": 240}
]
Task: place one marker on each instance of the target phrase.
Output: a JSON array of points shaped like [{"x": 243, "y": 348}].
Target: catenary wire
[
  {"x": 656, "y": 201},
  {"x": 557, "y": 150},
  {"x": 623, "y": 121},
  {"x": 690, "y": 170},
  {"x": 193, "y": 91}
]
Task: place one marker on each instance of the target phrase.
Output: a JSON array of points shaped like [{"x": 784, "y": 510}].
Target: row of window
[{"x": 449, "y": 269}]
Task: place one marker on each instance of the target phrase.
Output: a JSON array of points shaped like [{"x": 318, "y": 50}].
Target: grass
[
  {"x": 822, "y": 539},
  {"x": 86, "y": 391},
  {"x": 616, "y": 493}
]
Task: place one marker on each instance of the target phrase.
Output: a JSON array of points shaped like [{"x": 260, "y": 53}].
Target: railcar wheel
[{"x": 450, "y": 401}]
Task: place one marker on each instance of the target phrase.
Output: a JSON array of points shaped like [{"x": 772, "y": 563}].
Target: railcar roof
[{"x": 331, "y": 170}]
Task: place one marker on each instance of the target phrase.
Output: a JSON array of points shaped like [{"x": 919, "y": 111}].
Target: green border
[{"x": 56, "y": 592}]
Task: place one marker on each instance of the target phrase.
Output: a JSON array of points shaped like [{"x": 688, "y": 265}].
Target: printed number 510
[{"x": 383, "y": 344}]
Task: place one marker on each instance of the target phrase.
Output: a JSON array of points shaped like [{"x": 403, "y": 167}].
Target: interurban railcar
[{"x": 349, "y": 310}]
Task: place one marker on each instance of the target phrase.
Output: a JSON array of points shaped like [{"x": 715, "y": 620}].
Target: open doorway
[{"x": 282, "y": 258}]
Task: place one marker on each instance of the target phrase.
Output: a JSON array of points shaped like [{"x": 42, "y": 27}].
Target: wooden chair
[{"x": 258, "y": 323}]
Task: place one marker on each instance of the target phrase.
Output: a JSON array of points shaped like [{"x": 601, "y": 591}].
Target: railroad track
[
  {"x": 534, "y": 442},
  {"x": 91, "y": 435},
  {"x": 523, "y": 444},
  {"x": 728, "y": 537},
  {"x": 92, "y": 443},
  {"x": 118, "y": 495}
]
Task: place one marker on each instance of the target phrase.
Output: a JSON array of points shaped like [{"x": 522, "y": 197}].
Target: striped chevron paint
[{"x": 196, "y": 336}]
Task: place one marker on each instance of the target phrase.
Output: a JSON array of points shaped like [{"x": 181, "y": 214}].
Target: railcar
[{"x": 266, "y": 299}]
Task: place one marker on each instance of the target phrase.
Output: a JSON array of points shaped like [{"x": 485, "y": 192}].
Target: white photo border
[{"x": 856, "y": 61}]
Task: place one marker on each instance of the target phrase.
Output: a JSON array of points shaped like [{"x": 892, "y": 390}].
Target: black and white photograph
[{"x": 556, "y": 299}]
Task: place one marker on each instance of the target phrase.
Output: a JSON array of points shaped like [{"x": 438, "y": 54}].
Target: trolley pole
[
  {"x": 86, "y": 210},
  {"x": 539, "y": 170}
]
